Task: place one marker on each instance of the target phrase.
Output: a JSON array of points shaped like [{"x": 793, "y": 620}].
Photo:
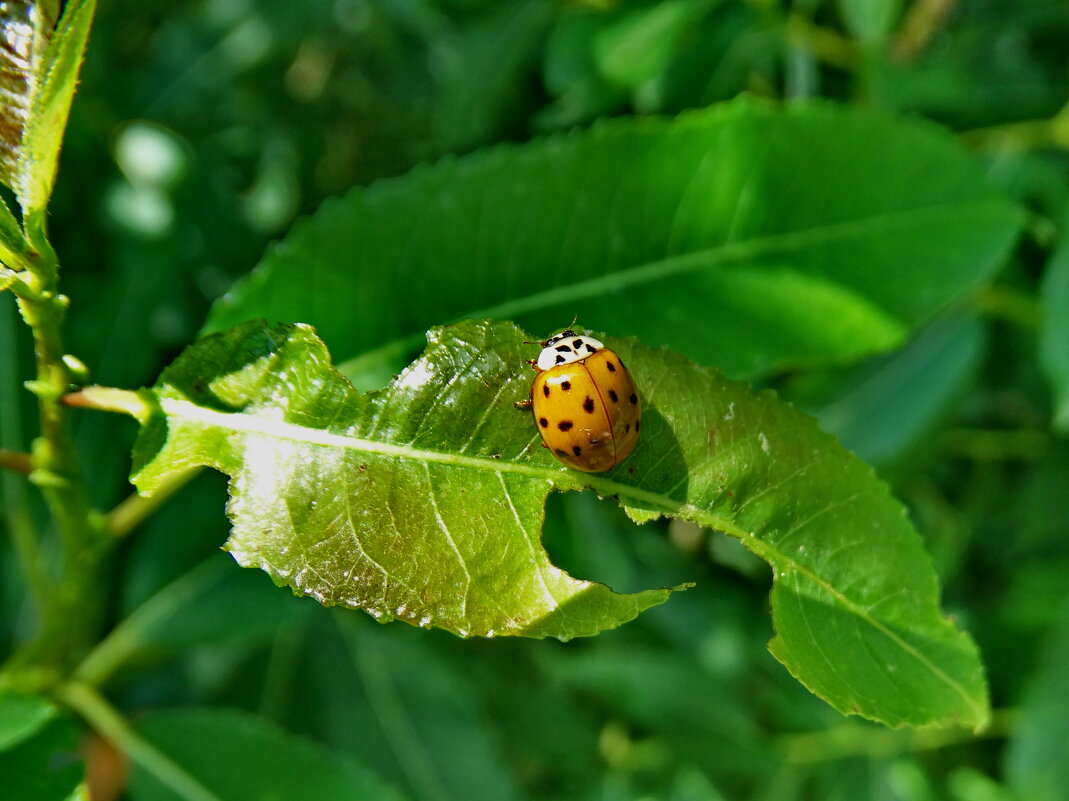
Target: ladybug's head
[{"x": 565, "y": 348}]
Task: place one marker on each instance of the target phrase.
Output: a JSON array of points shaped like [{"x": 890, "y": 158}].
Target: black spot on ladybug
[
  {"x": 565, "y": 385},
  {"x": 588, "y": 405},
  {"x": 590, "y": 348},
  {"x": 578, "y": 343},
  {"x": 543, "y": 422},
  {"x": 638, "y": 426},
  {"x": 545, "y": 390},
  {"x": 564, "y": 425},
  {"x": 559, "y": 452},
  {"x": 613, "y": 396},
  {"x": 564, "y": 348},
  {"x": 634, "y": 399},
  {"x": 627, "y": 428},
  {"x": 611, "y": 366},
  {"x": 560, "y": 360},
  {"x": 577, "y": 450}
]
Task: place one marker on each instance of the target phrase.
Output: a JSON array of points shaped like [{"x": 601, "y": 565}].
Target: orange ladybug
[{"x": 585, "y": 403}]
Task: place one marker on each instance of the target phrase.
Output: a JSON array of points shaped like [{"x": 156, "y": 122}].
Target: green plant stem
[
  {"x": 16, "y": 512},
  {"x": 16, "y": 461},
  {"x": 1010, "y": 304},
  {"x": 113, "y": 727},
  {"x": 109, "y": 399},
  {"x": 856, "y": 739},
  {"x": 996, "y": 445},
  {"x": 71, "y": 612},
  {"x": 129, "y": 514},
  {"x": 1024, "y": 135}
]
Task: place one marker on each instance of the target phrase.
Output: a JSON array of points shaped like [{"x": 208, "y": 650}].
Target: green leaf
[
  {"x": 808, "y": 234},
  {"x": 235, "y": 755},
  {"x": 26, "y": 31},
  {"x": 482, "y": 74},
  {"x": 1054, "y": 335},
  {"x": 38, "y": 155},
  {"x": 870, "y": 21},
  {"x": 883, "y": 409},
  {"x": 13, "y": 247},
  {"x": 424, "y": 501},
  {"x": 367, "y": 501},
  {"x": 421, "y": 708},
  {"x": 22, "y": 716},
  {"x": 639, "y": 47},
  {"x": 43, "y": 766},
  {"x": 1035, "y": 759}
]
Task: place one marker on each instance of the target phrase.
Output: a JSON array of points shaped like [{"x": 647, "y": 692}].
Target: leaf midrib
[
  {"x": 253, "y": 424},
  {"x": 648, "y": 272}
]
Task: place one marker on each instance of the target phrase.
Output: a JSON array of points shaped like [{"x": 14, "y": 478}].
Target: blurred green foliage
[{"x": 202, "y": 130}]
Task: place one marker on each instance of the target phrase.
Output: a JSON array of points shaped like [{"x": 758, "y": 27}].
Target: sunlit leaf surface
[
  {"x": 745, "y": 236},
  {"x": 39, "y": 154},
  {"x": 39, "y": 65},
  {"x": 25, "y": 31},
  {"x": 425, "y": 501}
]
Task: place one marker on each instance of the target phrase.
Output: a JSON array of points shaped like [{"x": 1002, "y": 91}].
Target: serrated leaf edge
[{"x": 561, "y": 479}]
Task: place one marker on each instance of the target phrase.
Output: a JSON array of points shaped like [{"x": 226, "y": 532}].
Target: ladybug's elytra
[{"x": 585, "y": 403}]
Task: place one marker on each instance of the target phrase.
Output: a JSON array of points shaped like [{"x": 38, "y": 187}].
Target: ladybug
[{"x": 585, "y": 403}]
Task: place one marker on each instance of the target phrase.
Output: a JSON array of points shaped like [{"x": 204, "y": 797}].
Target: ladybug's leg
[
  {"x": 526, "y": 403},
  {"x": 534, "y": 364}
]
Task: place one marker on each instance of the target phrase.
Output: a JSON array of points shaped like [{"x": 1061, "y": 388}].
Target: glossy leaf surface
[
  {"x": 39, "y": 65},
  {"x": 39, "y": 154},
  {"x": 25, "y": 30},
  {"x": 424, "y": 501},
  {"x": 745, "y": 236},
  {"x": 396, "y": 503}
]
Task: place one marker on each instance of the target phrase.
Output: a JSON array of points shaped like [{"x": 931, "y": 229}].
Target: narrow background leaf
[
  {"x": 21, "y": 716},
  {"x": 1036, "y": 767},
  {"x": 237, "y": 755},
  {"x": 44, "y": 766},
  {"x": 745, "y": 236},
  {"x": 884, "y": 409}
]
